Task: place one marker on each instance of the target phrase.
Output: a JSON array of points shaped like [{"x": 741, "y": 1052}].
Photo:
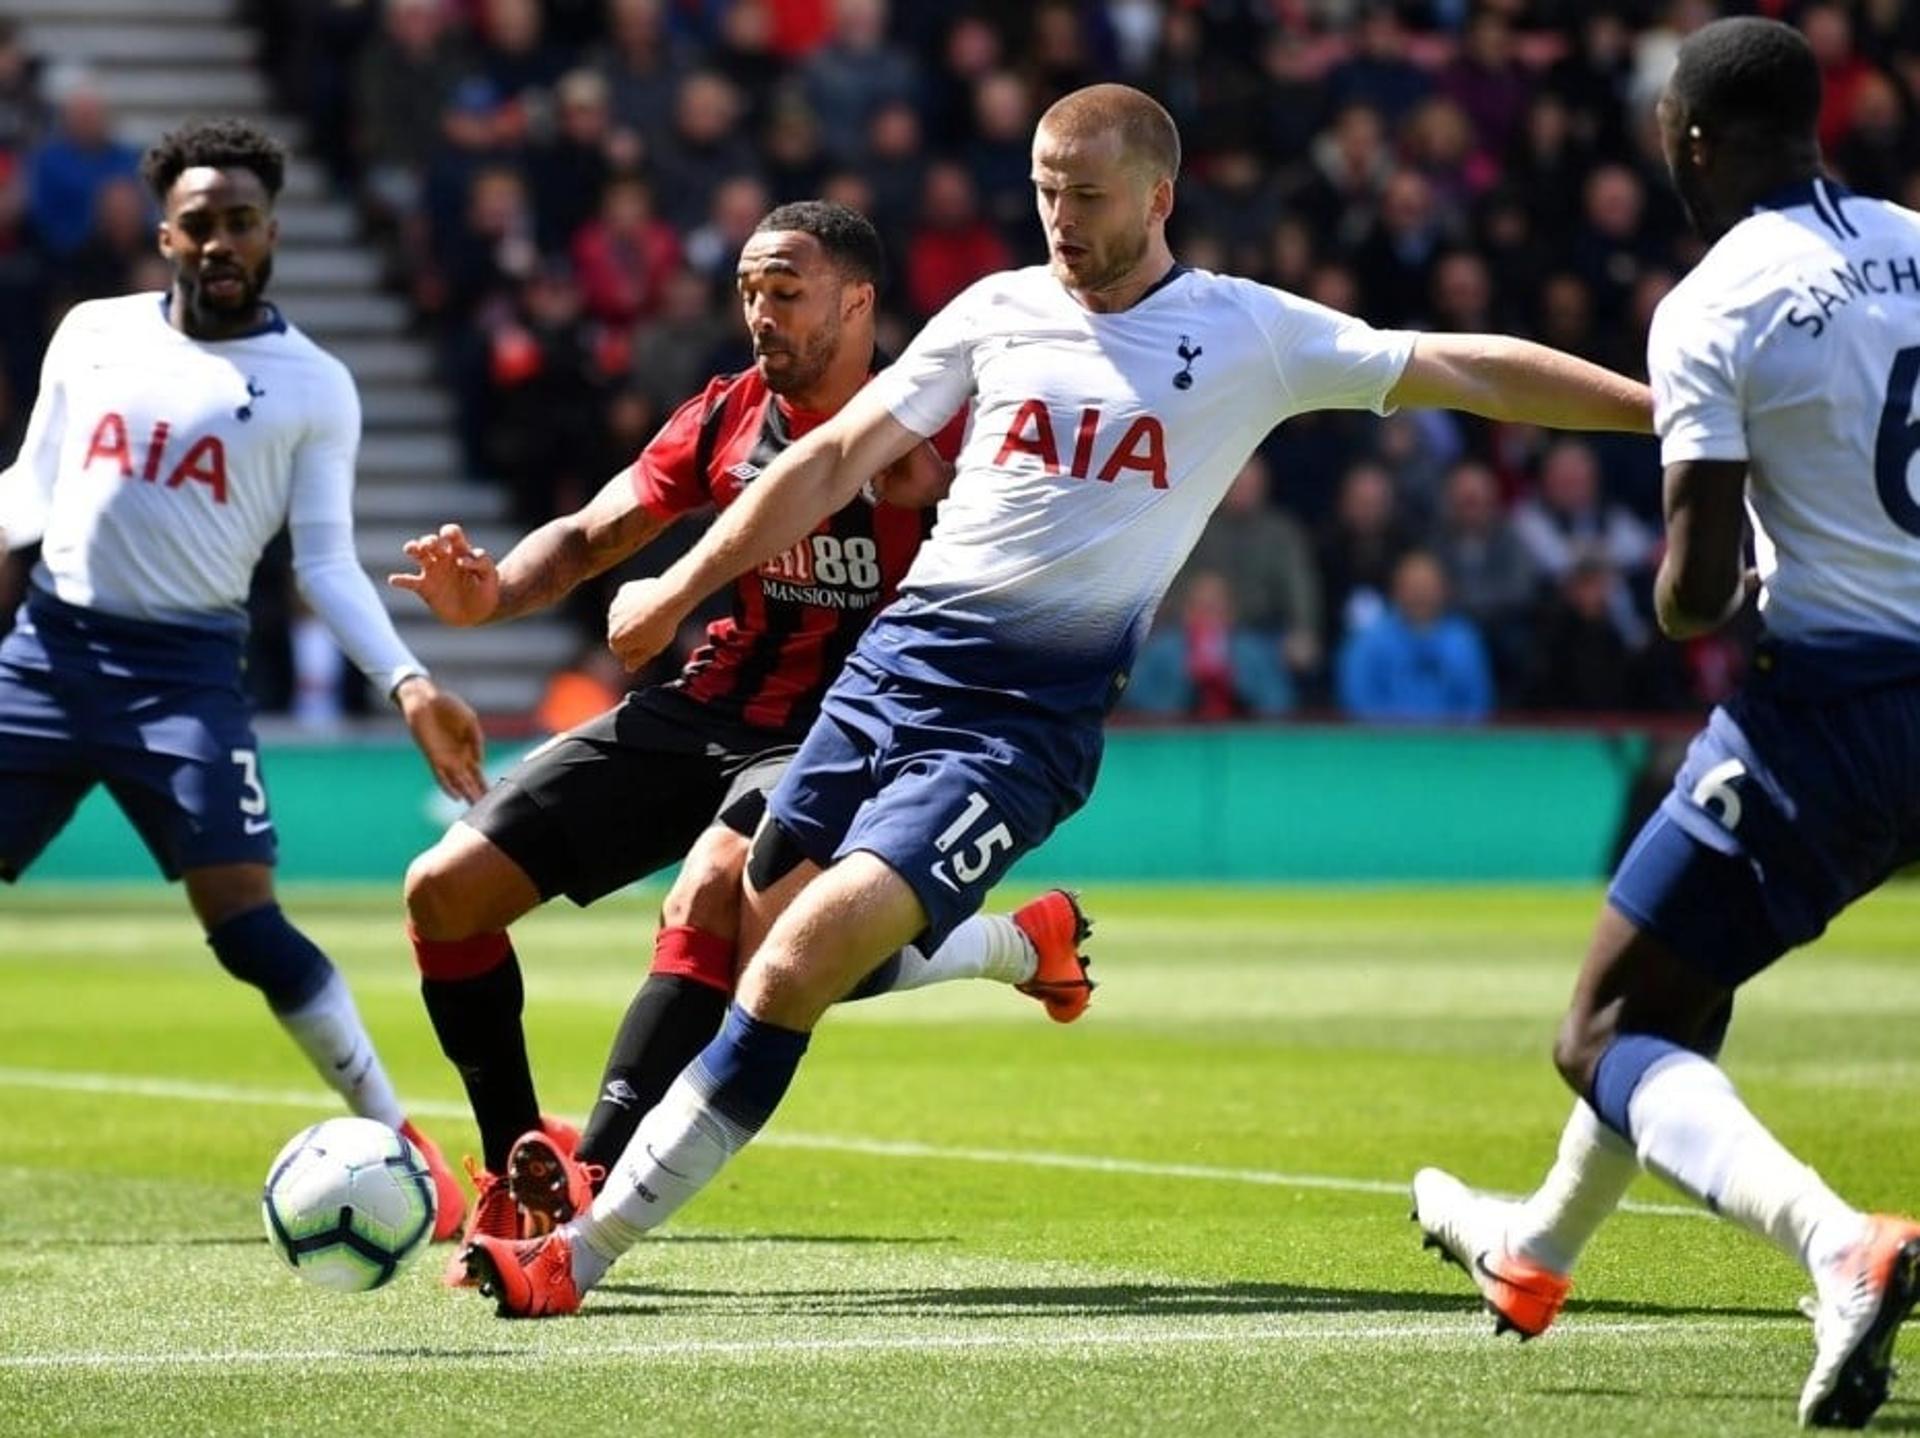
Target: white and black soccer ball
[{"x": 347, "y": 1203}]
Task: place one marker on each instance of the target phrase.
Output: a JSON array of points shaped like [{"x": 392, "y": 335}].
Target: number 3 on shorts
[
  {"x": 253, "y": 799},
  {"x": 970, "y": 863}
]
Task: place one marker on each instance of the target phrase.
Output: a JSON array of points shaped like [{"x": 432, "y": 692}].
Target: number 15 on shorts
[{"x": 969, "y": 848}]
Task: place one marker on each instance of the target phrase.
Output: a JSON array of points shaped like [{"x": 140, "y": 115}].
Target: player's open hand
[
  {"x": 459, "y": 583},
  {"x": 448, "y": 733},
  {"x": 642, "y": 621}
]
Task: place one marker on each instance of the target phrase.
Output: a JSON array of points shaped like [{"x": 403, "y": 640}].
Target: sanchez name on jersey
[{"x": 1794, "y": 346}]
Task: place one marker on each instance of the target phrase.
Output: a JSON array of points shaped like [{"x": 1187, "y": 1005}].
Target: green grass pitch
[{"x": 1183, "y": 1215}]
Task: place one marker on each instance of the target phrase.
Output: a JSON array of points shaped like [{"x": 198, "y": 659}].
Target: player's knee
[
  {"x": 1577, "y": 1047},
  {"x": 706, "y": 896},
  {"x": 439, "y": 902}
]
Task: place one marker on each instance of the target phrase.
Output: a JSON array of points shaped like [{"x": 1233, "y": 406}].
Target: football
[{"x": 347, "y": 1203}]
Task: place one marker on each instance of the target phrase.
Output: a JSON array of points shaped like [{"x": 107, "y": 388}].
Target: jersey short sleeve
[
  {"x": 26, "y": 488},
  {"x": 933, "y": 378},
  {"x": 1692, "y": 365},
  {"x": 1323, "y": 359},
  {"x": 665, "y": 476}
]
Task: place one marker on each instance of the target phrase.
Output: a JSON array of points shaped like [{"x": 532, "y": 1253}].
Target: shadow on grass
[{"x": 1112, "y": 1300}]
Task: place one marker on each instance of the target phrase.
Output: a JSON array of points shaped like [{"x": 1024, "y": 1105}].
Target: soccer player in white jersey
[
  {"x": 173, "y": 436},
  {"x": 1116, "y": 394},
  {"x": 1784, "y": 370}
]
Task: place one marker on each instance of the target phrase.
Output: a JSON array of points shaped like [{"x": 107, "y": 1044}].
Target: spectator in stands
[
  {"x": 1549, "y": 166},
  {"x": 1879, "y": 150},
  {"x": 572, "y": 167},
  {"x": 675, "y": 351},
  {"x": 854, "y": 74},
  {"x": 1205, "y": 664},
  {"x": 1570, "y": 517},
  {"x": 1337, "y": 187},
  {"x": 738, "y": 203},
  {"x": 895, "y": 168},
  {"x": 1843, "y": 70},
  {"x": 1487, "y": 81},
  {"x": 1267, "y": 561},
  {"x": 705, "y": 146},
  {"x": 1416, "y": 662},
  {"x": 402, "y": 85},
  {"x": 999, "y": 158},
  {"x": 121, "y": 237},
  {"x": 1611, "y": 246},
  {"x": 1360, "y": 549},
  {"x": 1059, "y": 58},
  {"x": 1491, "y": 576},
  {"x": 515, "y": 53},
  {"x": 953, "y": 246},
  {"x": 643, "y": 68},
  {"x": 625, "y": 255},
  {"x": 23, "y": 110},
  {"x": 1581, "y": 662},
  {"x": 495, "y": 248},
  {"x": 790, "y": 151},
  {"x": 1237, "y": 203},
  {"x": 743, "y": 52},
  {"x": 479, "y": 132},
  {"x": 1396, "y": 262},
  {"x": 68, "y": 169},
  {"x": 1378, "y": 73},
  {"x": 24, "y": 317},
  {"x": 546, "y": 398}
]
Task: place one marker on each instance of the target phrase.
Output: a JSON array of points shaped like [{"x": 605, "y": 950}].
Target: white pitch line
[
  {"x": 1052, "y": 1339},
  {"x": 191, "y": 1091}
]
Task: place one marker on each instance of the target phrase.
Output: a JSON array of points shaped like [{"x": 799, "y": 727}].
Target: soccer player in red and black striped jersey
[{"x": 681, "y": 770}]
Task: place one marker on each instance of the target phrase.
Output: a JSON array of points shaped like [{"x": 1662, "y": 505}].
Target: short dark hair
[
  {"x": 1751, "y": 75},
  {"x": 847, "y": 236},
  {"x": 220, "y": 144}
]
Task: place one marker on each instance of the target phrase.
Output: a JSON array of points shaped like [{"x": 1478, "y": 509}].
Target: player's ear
[
  {"x": 163, "y": 239},
  {"x": 1160, "y": 200},
  {"x": 856, "y": 300}
]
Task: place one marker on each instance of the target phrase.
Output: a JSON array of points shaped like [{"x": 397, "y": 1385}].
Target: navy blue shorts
[
  {"x": 1785, "y": 811},
  {"x": 179, "y": 758},
  {"x": 947, "y": 786}
]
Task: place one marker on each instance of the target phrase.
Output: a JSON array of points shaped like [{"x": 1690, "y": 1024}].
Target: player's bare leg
[
  {"x": 1629, "y": 1042},
  {"x": 836, "y": 930},
  {"x": 461, "y": 895},
  {"x": 255, "y": 943}
]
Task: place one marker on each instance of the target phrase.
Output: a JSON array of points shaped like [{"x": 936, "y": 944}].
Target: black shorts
[{"x": 626, "y": 794}]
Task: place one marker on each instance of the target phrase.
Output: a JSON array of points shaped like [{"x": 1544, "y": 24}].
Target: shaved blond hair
[{"x": 1148, "y": 137}]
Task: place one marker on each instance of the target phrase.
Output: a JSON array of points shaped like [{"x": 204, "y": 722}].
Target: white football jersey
[
  {"x": 1097, "y": 446},
  {"x": 1794, "y": 345},
  {"x": 156, "y": 468}
]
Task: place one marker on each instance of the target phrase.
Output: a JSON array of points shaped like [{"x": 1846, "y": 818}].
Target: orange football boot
[
  {"x": 450, "y": 1203},
  {"x": 548, "y": 1184},
  {"x": 1469, "y": 1231},
  {"x": 1056, "y": 928},
  {"x": 528, "y": 1278}
]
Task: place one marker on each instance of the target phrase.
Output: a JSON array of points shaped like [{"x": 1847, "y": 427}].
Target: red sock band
[
  {"x": 696, "y": 954},
  {"x": 459, "y": 958}
]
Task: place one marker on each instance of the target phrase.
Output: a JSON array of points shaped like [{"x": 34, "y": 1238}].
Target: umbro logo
[
  {"x": 620, "y": 1094},
  {"x": 744, "y": 471}
]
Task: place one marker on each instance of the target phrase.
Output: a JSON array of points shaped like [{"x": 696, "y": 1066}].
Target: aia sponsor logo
[
  {"x": 1140, "y": 449},
  {"x": 160, "y": 460}
]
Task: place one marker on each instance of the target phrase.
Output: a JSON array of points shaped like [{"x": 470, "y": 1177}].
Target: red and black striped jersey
[{"x": 796, "y": 618}]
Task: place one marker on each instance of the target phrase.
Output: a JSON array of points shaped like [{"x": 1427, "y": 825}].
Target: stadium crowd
[{"x": 562, "y": 187}]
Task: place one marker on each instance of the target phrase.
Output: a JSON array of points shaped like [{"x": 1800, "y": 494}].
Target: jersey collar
[
  {"x": 274, "y": 324},
  {"x": 1818, "y": 191}
]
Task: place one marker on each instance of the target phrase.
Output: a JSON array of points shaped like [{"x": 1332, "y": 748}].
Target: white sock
[
  {"x": 328, "y": 1029},
  {"x": 1693, "y": 1130},
  {"x": 1586, "y": 1183},
  {"x": 986, "y": 946},
  {"x": 678, "y": 1148}
]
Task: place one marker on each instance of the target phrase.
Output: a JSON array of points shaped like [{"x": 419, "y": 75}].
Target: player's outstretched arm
[
  {"x": 1499, "y": 377},
  {"x": 811, "y": 478},
  {"x": 463, "y": 585},
  {"x": 1703, "y": 580}
]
